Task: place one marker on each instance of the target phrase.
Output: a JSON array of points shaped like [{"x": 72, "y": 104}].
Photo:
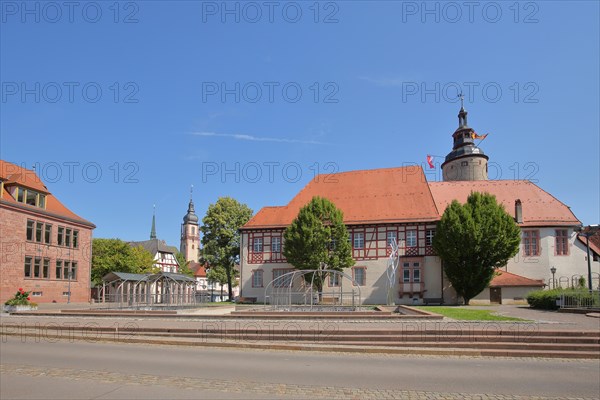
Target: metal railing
[
  {"x": 581, "y": 300},
  {"x": 141, "y": 300}
]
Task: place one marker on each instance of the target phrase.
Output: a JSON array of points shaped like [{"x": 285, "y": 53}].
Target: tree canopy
[
  {"x": 221, "y": 237},
  {"x": 473, "y": 240},
  {"x": 318, "y": 235},
  {"x": 115, "y": 255},
  {"x": 184, "y": 265}
]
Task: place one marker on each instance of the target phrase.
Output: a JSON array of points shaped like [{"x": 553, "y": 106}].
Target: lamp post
[
  {"x": 553, "y": 270},
  {"x": 588, "y": 231},
  {"x": 69, "y": 289}
]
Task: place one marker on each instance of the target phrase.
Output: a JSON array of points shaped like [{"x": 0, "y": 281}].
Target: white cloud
[{"x": 252, "y": 138}]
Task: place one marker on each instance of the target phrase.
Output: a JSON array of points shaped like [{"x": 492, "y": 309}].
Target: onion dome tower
[
  {"x": 466, "y": 161},
  {"x": 190, "y": 233}
]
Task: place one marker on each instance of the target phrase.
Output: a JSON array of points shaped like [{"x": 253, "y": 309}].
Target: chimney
[{"x": 518, "y": 212}]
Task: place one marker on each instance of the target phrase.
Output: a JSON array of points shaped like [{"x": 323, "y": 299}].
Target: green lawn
[{"x": 466, "y": 314}]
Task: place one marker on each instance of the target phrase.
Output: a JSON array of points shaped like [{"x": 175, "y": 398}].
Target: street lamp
[
  {"x": 69, "y": 289},
  {"x": 588, "y": 231},
  {"x": 553, "y": 270}
]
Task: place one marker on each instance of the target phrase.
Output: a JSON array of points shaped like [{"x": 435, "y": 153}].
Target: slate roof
[
  {"x": 154, "y": 246},
  {"x": 14, "y": 175}
]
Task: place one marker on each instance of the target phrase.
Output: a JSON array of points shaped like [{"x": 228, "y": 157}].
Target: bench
[
  {"x": 330, "y": 300},
  {"x": 247, "y": 300},
  {"x": 438, "y": 301}
]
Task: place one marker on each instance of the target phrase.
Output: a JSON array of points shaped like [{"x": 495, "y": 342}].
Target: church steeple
[
  {"x": 466, "y": 161},
  {"x": 153, "y": 231},
  {"x": 191, "y": 213},
  {"x": 190, "y": 232}
]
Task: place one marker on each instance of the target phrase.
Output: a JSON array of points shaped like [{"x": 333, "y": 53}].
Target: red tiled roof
[
  {"x": 367, "y": 196},
  {"x": 539, "y": 207},
  {"x": 594, "y": 242},
  {"x": 504, "y": 279},
  {"x": 14, "y": 174},
  {"x": 403, "y": 195},
  {"x": 198, "y": 269}
]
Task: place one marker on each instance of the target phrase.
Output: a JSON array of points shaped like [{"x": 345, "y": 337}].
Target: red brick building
[{"x": 45, "y": 248}]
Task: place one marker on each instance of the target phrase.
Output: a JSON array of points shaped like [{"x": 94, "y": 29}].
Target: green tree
[
  {"x": 473, "y": 240},
  {"x": 144, "y": 260},
  {"x": 318, "y": 235},
  {"x": 221, "y": 237},
  {"x": 217, "y": 275},
  {"x": 184, "y": 265},
  {"x": 114, "y": 255}
]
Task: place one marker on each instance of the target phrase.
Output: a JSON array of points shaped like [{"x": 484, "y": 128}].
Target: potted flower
[{"x": 20, "y": 302}]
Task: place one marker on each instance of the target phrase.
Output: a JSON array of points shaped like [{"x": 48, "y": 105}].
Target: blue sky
[{"x": 125, "y": 105}]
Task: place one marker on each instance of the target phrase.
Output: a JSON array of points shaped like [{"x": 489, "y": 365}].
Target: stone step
[
  {"x": 511, "y": 333},
  {"x": 427, "y": 348},
  {"x": 326, "y": 337},
  {"x": 488, "y": 345}
]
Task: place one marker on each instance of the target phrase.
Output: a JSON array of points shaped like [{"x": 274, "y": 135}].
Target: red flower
[
  {"x": 20, "y": 289},
  {"x": 28, "y": 299}
]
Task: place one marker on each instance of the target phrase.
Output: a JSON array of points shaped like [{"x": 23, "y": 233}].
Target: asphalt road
[{"x": 79, "y": 369}]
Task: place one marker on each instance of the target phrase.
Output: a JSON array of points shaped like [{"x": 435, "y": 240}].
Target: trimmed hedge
[{"x": 546, "y": 299}]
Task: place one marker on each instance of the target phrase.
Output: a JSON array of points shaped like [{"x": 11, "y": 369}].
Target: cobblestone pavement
[{"x": 293, "y": 391}]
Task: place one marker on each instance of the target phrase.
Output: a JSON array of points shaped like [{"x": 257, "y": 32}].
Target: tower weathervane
[{"x": 461, "y": 96}]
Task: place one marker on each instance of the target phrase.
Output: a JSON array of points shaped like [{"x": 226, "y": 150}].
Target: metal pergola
[{"x": 147, "y": 290}]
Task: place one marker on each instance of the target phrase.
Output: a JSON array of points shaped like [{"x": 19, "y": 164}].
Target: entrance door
[{"x": 496, "y": 295}]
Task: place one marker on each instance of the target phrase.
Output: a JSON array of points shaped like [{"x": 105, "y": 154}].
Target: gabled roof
[
  {"x": 594, "y": 242},
  {"x": 539, "y": 207},
  {"x": 199, "y": 270},
  {"x": 389, "y": 195},
  {"x": 14, "y": 175},
  {"x": 154, "y": 246},
  {"x": 504, "y": 279},
  {"x": 403, "y": 195}
]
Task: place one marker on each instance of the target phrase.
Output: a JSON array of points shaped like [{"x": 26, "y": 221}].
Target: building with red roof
[
  {"x": 399, "y": 203},
  {"x": 46, "y": 248}
]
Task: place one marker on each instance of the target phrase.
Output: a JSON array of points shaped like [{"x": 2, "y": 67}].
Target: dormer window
[{"x": 29, "y": 197}]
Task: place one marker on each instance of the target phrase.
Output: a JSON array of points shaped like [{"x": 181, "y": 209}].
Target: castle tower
[
  {"x": 190, "y": 234},
  {"x": 466, "y": 161}
]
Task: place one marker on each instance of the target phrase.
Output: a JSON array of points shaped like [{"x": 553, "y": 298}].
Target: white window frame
[{"x": 358, "y": 240}]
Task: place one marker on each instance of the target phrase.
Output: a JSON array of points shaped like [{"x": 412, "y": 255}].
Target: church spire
[
  {"x": 153, "y": 231},
  {"x": 191, "y": 216}
]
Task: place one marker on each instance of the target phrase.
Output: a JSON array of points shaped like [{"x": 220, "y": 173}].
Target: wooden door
[{"x": 496, "y": 295}]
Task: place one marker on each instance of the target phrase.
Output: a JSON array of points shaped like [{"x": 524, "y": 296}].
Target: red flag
[{"x": 430, "y": 161}]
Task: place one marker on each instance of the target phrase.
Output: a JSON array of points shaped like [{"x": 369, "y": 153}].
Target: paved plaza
[{"x": 68, "y": 366}]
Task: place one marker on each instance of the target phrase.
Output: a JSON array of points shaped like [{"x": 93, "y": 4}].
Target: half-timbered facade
[
  {"x": 164, "y": 255},
  {"x": 398, "y": 203}
]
